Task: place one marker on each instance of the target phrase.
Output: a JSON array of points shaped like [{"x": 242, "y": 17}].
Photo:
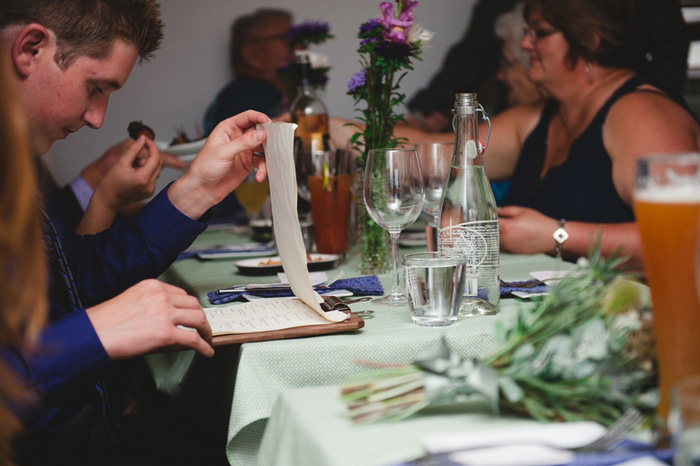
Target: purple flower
[
  {"x": 307, "y": 30},
  {"x": 407, "y": 13},
  {"x": 318, "y": 77},
  {"x": 396, "y": 28},
  {"x": 357, "y": 81},
  {"x": 369, "y": 27},
  {"x": 368, "y": 41},
  {"x": 397, "y": 34},
  {"x": 393, "y": 50}
]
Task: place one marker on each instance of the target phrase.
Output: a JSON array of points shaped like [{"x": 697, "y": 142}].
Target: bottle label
[
  {"x": 473, "y": 239},
  {"x": 478, "y": 242}
]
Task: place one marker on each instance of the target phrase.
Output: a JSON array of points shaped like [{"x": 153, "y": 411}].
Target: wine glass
[
  {"x": 252, "y": 194},
  {"x": 435, "y": 162},
  {"x": 394, "y": 198}
]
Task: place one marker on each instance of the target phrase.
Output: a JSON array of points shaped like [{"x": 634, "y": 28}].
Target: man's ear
[{"x": 32, "y": 41}]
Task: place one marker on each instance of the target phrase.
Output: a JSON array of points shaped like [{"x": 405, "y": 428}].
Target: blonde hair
[{"x": 23, "y": 270}]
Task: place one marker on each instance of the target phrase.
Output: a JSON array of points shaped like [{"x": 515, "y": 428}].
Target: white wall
[{"x": 192, "y": 65}]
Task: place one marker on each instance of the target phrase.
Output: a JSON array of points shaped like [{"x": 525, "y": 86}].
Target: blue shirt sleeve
[
  {"x": 67, "y": 359},
  {"x": 131, "y": 250}
]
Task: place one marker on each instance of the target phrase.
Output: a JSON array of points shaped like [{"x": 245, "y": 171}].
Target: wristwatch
[{"x": 560, "y": 235}]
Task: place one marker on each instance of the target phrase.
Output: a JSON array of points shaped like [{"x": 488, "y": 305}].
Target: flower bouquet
[
  {"x": 300, "y": 38},
  {"x": 585, "y": 352},
  {"x": 387, "y": 46}
]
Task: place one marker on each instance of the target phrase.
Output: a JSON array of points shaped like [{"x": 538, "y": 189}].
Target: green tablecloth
[
  {"x": 308, "y": 427},
  {"x": 266, "y": 369}
]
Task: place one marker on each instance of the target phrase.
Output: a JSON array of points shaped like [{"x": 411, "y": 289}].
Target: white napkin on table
[
  {"x": 565, "y": 435},
  {"x": 513, "y": 455}
]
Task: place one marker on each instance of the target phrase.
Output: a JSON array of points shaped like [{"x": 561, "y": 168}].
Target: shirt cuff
[
  {"x": 164, "y": 225},
  {"x": 82, "y": 191}
]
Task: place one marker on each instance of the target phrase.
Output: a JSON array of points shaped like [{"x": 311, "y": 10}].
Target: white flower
[
  {"x": 316, "y": 60},
  {"x": 418, "y": 33},
  {"x": 319, "y": 61}
]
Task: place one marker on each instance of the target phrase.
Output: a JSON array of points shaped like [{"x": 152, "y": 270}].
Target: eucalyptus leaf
[
  {"x": 523, "y": 352},
  {"x": 554, "y": 356},
  {"x": 580, "y": 370},
  {"x": 511, "y": 390}
]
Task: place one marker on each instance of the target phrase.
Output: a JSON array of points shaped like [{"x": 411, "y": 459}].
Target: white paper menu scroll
[{"x": 279, "y": 155}]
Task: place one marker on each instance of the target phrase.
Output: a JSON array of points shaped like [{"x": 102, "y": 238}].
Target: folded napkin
[
  {"x": 508, "y": 288},
  {"x": 245, "y": 249},
  {"x": 526, "y": 286},
  {"x": 368, "y": 285}
]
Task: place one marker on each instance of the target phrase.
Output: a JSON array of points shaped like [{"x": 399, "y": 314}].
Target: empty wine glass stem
[{"x": 396, "y": 288}]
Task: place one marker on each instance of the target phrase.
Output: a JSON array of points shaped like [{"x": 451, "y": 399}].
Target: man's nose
[{"x": 94, "y": 116}]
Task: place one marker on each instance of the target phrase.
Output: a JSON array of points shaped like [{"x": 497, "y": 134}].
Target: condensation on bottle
[{"x": 468, "y": 221}]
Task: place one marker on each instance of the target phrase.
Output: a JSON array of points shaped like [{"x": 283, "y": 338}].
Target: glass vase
[{"x": 375, "y": 246}]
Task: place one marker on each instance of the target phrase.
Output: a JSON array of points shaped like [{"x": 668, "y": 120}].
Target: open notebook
[{"x": 271, "y": 319}]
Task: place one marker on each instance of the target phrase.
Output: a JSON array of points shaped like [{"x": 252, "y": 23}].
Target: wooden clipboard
[{"x": 353, "y": 323}]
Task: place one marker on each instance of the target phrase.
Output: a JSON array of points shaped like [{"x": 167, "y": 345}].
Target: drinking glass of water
[{"x": 434, "y": 286}]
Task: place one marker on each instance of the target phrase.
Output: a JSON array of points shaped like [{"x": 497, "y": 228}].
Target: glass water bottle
[{"x": 468, "y": 221}]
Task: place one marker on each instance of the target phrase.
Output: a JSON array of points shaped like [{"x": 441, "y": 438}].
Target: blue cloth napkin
[
  {"x": 368, "y": 285},
  {"x": 527, "y": 286},
  {"x": 627, "y": 450}
]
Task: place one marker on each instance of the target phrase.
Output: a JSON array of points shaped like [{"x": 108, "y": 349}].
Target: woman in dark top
[{"x": 573, "y": 157}]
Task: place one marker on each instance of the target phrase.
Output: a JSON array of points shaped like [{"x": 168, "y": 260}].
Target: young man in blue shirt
[{"x": 69, "y": 56}]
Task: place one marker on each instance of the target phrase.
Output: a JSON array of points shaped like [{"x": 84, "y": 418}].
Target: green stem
[{"x": 386, "y": 129}]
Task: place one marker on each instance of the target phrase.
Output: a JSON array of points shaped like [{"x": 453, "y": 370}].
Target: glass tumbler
[{"x": 434, "y": 287}]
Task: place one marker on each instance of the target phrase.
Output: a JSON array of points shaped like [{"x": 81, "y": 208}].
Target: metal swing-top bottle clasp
[{"x": 466, "y": 104}]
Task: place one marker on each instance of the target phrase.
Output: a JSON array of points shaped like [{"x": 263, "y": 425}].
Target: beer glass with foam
[{"x": 667, "y": 208}]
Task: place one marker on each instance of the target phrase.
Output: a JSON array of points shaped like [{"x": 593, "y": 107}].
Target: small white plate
[
  {"x": 186, "y": 151},
  {"x": 261, "y": 266}
]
